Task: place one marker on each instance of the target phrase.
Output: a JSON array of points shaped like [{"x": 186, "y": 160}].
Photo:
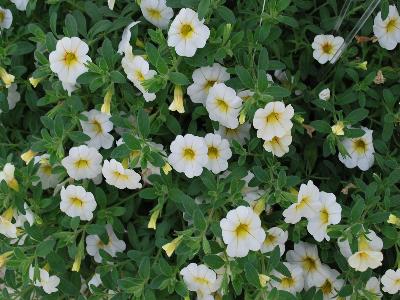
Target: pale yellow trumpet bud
[
  {"x": 28, "y": 156},
  {"x": 8, "y": 79},
  {"x": 338, "y": 128},
  {"x": 170, "y": 248},
  {"x": 177, "y": 103}
]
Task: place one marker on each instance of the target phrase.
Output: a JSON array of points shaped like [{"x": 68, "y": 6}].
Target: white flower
[
  {"x": 242, "y": 231},
  {"x": 275, "y": 237},
  {"x": 97, "y": 127},
  {"x": 273, "y": 120},
  {"x": 306, "y": 256},
  {"x": 307, "y": 204},
  {"x": 325, "y": 94},
  {"x": 124, "y": 46},
  {"x": 325, "y": 47},
  {"x": 361, "y": 151},
  {"x": 373, "y": 286},
  {"x": 239, "y": 134},
  {"x": 223, "y": 105},
  {"x": 21, "y": 218},
  {"x": 137, "y": 70},
  {"x": 218, "y": 153},
  {"x": 13, "y": 96},
  {"x": 279, "y": 146},
  {"x": 118, "y": 176},
  {"x": 6, "y": 18},
  {"x": 94, "y": 281},
  {"x": 69, "y": 59},
  {"x": 188, "y": 155},
  {"x": 251, "y": 193},
  {"x": 7, "y": 174},
  {"x": 328, "y": 213},
  {"x": 7, "y": 228},
  {"x": 331, "y": 285},
  {"x": 76, "y": 202},
  {"x": 187, "y": 33},
  {"x": 83, "y": 162},
  {"x": 391, "y": 281},
  {"x": 200, "y": 279},
  {"x": 20, "y": 4},
  {"x": 388, "y": 31},
  {"x": 246, "y": 94},
  {"x": 292, "y": 284},
  {"x": 368, "y": 240},
  {"x": 44, "y": 280},
  {"x": 204, "y": 78},
  {"x": 48, "y": 178},
  {"x": 94, "y": 244},
  {"x": 111, "y": 4},
  {"x": 157, "y": 12},
  {"x": 69, "y": 87}
]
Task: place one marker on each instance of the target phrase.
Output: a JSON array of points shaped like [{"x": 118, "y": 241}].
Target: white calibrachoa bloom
[
  {"x": 307, "y": 204},
  {"x": 116, "y": 175},
  {"x": 361, "y": 151},
  {"x": 242, "y": 231},
  {"x": 293, "y": 284},
  {"x": 114, "y": 245},
  {"x": 6, "y": 18},
  {"x": 373, "y": 286},
  {"x": 45, "y": 281},
  {"x": 239, "y": 134},
  {"x": 329, "y": 212},
  {"x": 325, "y": 94},
  {"x": 83, "y": 162},
  {"x": 388, "y": 31},
  {"x": 273, "y": 120},
  {"x": 331, "y": 285},
  {"x": 204, "y": 79},
  {"x": 391, "y": 281},
  {"x": 20, "y": 4},
  {"x": 48, "y": 178},
  {"x": 279, "y": 146},
  {"x": 223, "y": 105},
  {"x": 111, "y": 4},
  {"x": 69, "y": 59},
  {"x": 124, "y": 45},
  {"x": 7, "y": 175},
  {"x": 187, "y": 33},
  {"x": 188, "y": 155},
  {"x": 200, "y": 279},
  {"x": 97, "y": 127},
  {"x": 325, "y": 47},
  {"x": 13, "y": 96},
  {"x": 251, "y": 193},
  {"x": 77, "y": 202},
  {"x": 7, "y": 228},
  {"x": 156, "y": 12},
  {"x": 275, "y": 237},
  {"x": 218, "y": 153}
]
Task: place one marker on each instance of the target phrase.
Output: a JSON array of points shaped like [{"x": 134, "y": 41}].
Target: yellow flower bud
[
  {"x": 264, "y": 279},
  {"x": 28, "y": 155},
  {"x": 169, "y": 248},
  {"x": 337, "y": 129},
  {"x": 4, "y": 258},
  {"x": 35, "y": 81},
  {"x": 77, "y": 264},
  {"x": 260, "y": 206},
  {"x": 167, "y": 168},
  {"x": 177, "y": 103},
  {"x": 139, "y": 43},
  {"x": 393, "y": 220},
  {"x": 106, "y": 107},
  {"x": 8, "y": 79},
  {"x": 13, "y": 183},
  {"x": 153, "y": 219},
  {"x": 242, "y": 117},
  {"x": 362, "y": 66}
]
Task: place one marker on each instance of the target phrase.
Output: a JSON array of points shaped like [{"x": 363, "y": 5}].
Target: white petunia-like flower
[
  {"x": 391, "y": 281},
  {"x": 242, "y": 231},
  {"x": 218, "y": 153},
  {"x": 118, "y": 176},
  {"x": 124, "y": 45},
  {"x": 307, "y": 204},
  {"x": 239, "y": 134},
  {"x": 246, "y": 94},
  {"x": 325, "y": 94},
  {"x": 223, "y": 105},
  {"x": 97, "y": 127},
  {"x": 48, "y": 178},
  {"x": 200, "y": 279},
  {"x": 69, "y": 59},
  {"x": 361, "y": 151},
  {"x": 45, "y": 281},
  {"x": 273, "y": 120},
  {"x": 20, "y": 4},
  {"x": 6, "y": 18},
  {"x": 374, "y": 286},
  {"x": 388, "y": 31},
  {"x": 331, "y": 284},
  {"x": 204, "y": 79},
  {"x": 325, "y": 47},
  {"x": 187, "y": 33},
  {"x": 156, "y": 12},
  {"x": 77, "y": 202},
  {"x": 279, "y": 146},
  {"x": 293, "y": 283},
  {"x": 305, "y": 255},
  {"x": 7, "y": 228},
  {"x": 114, "y": 245},
  {"x": 111, "y": 4},
  {"x": 13, "y": 96},
  {"x": 7, "y": 175},
  {"x": 188, "y": 155},
  {"x": 94, "y": 281},
  {"x": 275, "y": 237},
  {"x": 83, "y": 162},
  {"x": 328, "y": 213},
  {"x": 251, "y": 193}
]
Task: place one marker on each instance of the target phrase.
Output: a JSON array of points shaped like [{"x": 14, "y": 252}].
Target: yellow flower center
[
  {"x": 309, "y": 264},
  {"x": 359, "y": 146},
  {"x": 187, "y": 30},
  {"x": 324, "y": 216},
  {"x": 209, "y": 84},
  {"x": 189, "y": 154},
  {"x": 231, "y": 132},
  {"x": 391, "y": 26},
  {"x": 70, "y": 58},
  {"x": 81, "y": 164},
  {"x": 287, "y": 282},
  {"x": 2, "y": 16},
  {"x": 303, "y": 202},
  {"x": 326, "y": 288},
  {"x": 275, "y": 140},
  {"x": 327, "y": 48},
  {"x": 75, "y": 201},
  {"x": 272, "y": 118},
  {"x": 139, "y": 75},
  {"x": 154, "y": 13},
  {"x": 201, "y": 280},
  {"x": 242, "y": 230},
  {"x": 46, "y": 169},
  {"x": 270, "y": 239},
  {"x": 222, "y": 105},
  {"x": 213, "y": 152},
  {"x": 97, "y": 127},
  {"x": 363, "y": 244},
  {"x": 120, "y": 176}
]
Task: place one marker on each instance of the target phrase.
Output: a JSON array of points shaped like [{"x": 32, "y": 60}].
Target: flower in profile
[
  {"x": 223, "y": 105},
  {"x": 6, "y": 18},
  {"x": 124, "y": 45},
  {"x": 28, "y": 156},
  {"x": 373, "y": 286},
  {"x": 48, "y": 178},
  {"x": 120, "y": 177},
  {"x": 293, "y": 283},
  {"x": 361, "y": 151},
  {"x": 218, "y": 153},
  {"x": 242, "y": 231},
  {"x": 7, "y": 228},
  {"x": 177, "y": 103},
  {"x": 13, "y": 96},
  {"x": 7, "y": 175},
  {"x": 7, "y": 78},
  {"x": 188, "y": 155},
  {"x": 76, "y": 202},
  {"x": 379, "y": 78},
  {"x": 97, "y": 127},
  {"x": 187, "y": 33},
  {"x": 111, "y": 4},
  {"x": 156, "y": 12},
  {"x": 391, "y": 281},
  {"x": 204, "y": 79},
  {"x": 338, "y": 128},
  {"x": 273, "y": 120},
  {"x": 325, "y": 94},
  {"x": 325, "y": 47},
  {"x": 44, "y": 280},
  {"x": 83, "y": 162},
  {"x": 388, "y": 31},
  {"x": 170, "y": 247},
  {"x": 275, "y": 237},
  {"x": 239, "y": 134},
  {"x": 20, "y": 4},
  {"x": 279, "y": 146},
  {"x": 331, "y": 284}
]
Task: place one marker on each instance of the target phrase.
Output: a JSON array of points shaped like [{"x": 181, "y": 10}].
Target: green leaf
[
  {"x": 143, "y": 123},
  {"x": 156, "y": 59},
  {"x": 203, "y": 8},
  {"x": 178, "y": 78},
  {"x": 251, "y": 275},
  {"x": 214, "y": 261},
  {"x": 321, "y": 126},
  {"x": 45, "y": 247},
  {"x": 78, "y": 137},
  {"x": 71, "y": 28},
  {"x": 244, "y": 77},
  {"x": 357, "y": 115},
  {"x": 357, "y": 209},
  {"x": 277, "y": 91},
  {"x": 199, "y": 220}
]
